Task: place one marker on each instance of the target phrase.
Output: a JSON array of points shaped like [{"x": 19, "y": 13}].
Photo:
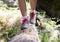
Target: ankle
[
  {"x": 32, "y": 11},
  {"x": 24, "y": 17}
]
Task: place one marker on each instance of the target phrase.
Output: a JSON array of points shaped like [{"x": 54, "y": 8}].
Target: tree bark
[{"x": 27, "y": 35}]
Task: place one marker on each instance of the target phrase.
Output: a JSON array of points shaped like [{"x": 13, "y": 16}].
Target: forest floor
[{"x": 10, "y": 18}]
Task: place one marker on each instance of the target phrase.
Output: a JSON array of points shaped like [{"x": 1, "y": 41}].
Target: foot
[
  {"x": 32, "y": 18},
  {"x": 24, "y": 23}
]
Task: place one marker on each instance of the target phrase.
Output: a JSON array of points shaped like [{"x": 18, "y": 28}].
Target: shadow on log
[{"x": 27, "y": 35}]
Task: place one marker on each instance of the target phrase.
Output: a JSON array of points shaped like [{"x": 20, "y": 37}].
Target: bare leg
[
  {"x": 33, "y": 4},
  {"x": 22, "y": 6},
  {"x": 32, "y": 13}
]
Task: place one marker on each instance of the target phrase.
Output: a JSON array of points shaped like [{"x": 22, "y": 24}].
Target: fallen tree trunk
[{"x": 28, "y": 35}]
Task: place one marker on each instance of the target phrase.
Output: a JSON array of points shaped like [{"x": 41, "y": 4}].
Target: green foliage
[
  {"x": 7, "y": 32},
  {"x": 27, "y": 0},
  {"x": 45, "y": 36},
  {"x": 51, "y": 22}
]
